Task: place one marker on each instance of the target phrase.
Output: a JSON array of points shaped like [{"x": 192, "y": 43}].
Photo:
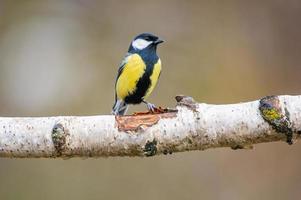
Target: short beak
[{"x": 158, "y": 41}]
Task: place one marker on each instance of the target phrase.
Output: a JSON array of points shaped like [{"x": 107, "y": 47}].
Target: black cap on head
[
  {"x": 147, "y": 37},
  {"x": 145, "y": 40}
]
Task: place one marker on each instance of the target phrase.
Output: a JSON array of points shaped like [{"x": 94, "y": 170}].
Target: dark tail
[{"x": 119, "y": 108}]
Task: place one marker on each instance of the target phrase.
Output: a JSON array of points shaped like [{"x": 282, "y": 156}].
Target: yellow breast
[
  {"x": 154, "y": 78},
  {"x": 132, "y": 71}
]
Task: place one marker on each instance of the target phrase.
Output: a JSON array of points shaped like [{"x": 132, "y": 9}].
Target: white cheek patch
[{"x": 140, "y": 44}]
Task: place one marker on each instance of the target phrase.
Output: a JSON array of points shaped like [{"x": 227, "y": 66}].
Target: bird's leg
[{"x": 151, "y": 107}]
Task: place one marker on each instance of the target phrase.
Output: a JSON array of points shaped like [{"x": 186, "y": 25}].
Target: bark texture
[{"x": 191, "y": 126}]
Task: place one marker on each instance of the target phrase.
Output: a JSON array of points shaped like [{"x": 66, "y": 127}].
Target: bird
[{"x": 138, "y": 73}]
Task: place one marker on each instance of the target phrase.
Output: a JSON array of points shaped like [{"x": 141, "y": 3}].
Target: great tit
[{"x": 138, "y": 73}]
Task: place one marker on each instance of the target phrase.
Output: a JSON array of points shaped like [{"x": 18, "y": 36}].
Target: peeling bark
[
  {"x": 141, "y": 121},
  {"x": 193, "y": 126}
]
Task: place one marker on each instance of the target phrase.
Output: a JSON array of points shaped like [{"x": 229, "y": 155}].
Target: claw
[
  {"x": 157, "y": 110},
  {"x": 151, "y": 107}
]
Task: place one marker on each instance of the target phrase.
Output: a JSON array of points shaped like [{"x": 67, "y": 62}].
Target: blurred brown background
[{"x": 61, "y": 58}]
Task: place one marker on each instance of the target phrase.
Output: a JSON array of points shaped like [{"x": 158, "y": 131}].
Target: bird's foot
[
  {"x": 157, "y": 110},
  {"x": 151, "y": 107}
]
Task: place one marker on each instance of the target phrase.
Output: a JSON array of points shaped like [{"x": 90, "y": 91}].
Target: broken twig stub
[{"x": 277, "y": 116}]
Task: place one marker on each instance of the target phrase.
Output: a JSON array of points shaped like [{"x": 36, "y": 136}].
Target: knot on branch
[
  {"x": 59, "y": 138},
  {"x": 150, "y": 148},
  {"x": 187, "y": 101},
  {"x": 277, "y": 116}
]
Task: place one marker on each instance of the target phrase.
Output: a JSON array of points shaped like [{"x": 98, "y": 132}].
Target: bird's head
[{"x": 144, "y": 41}]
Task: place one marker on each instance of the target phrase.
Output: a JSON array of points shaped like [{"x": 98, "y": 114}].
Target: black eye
[{"x": 147, "y": 38}]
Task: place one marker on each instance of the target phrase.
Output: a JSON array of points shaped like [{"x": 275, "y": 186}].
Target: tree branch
[{"x": 191, "y": 126}]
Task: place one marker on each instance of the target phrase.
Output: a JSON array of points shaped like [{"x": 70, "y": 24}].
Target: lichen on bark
[{"x": 277, "y": 116}]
